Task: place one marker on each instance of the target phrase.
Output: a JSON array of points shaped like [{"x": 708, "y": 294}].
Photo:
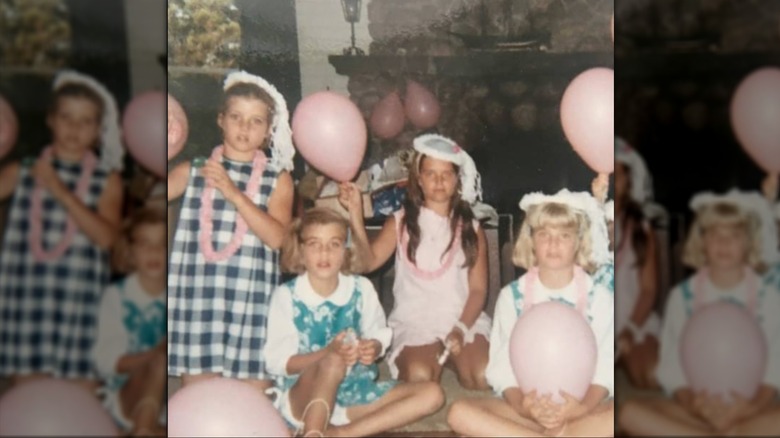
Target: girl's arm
[
  {"x": 177, "y": 180},
  {"x": 477, "y": 283},
  {"x": 269, "y": 227},
  {"x": 101, "y": 227},
  {"x": 648, "y": 281},
  {"x": 375, "y": 253},
  {"x": 498, "y": 372},
  {"x": 299, "y": 362},
  {"x": 9, "y": 175},
  {"x": 128, "y": 362},
  {"x": 373, "y": 325}
]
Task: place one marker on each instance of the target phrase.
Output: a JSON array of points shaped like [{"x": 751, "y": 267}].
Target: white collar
[{"x": 305, "y": 292}]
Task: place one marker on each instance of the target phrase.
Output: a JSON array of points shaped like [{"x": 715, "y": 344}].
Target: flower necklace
[
  {"x": 206, "y": 211},
  {"x": 88, "y": 164}
]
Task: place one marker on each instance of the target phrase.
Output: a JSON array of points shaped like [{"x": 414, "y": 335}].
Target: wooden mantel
[{"x": 476, "y": 64}]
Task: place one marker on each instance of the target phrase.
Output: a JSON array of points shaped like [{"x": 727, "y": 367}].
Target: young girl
[
  {"x": 225, "y": 258},
  {"x": 563, "y": 238},
  {"x": 637, "y": 324},
  {"x": 326, "y": 329},
  {"x": 731, "y": 239},
  {"x": 440, "y": 266},
  {"x": 64, "y": 217},
  {"x": 130, "y": 351}
]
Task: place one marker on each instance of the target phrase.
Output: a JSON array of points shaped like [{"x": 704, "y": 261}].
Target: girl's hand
[
  {"x": 217, "y": 176},
  {"x": 47, "y": 177},
  {"x": 542, "y": 410},
  {"x": 351, "y": 198},
  {"x": 455, "y": 341},
  {"x": 625, "y": 342},
  {"x": 734, "y": 413},
  {"x": 349, "y": 353},
  {"x": 710, "y": 408},
  {"x": 368, "y": 351}
]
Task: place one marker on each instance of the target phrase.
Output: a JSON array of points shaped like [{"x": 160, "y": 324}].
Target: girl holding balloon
[
  {"x": 326, "y": 329},
  {"x": 441, "y": 266},
  {"x": 637, "y": 325},
  {"x": 562, "y": 239},
  {"x": 225, "y": 258},
  {"x": 731, "y": 241},
  {"x": 64, "y": 217}
]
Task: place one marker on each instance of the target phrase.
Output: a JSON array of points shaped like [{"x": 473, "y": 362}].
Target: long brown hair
[{"x": 460, "y": 213}]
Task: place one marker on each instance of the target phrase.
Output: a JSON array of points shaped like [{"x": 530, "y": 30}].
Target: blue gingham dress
[
  {"x": 217, "y": 312},
  {"x": 48, "y": 310}
]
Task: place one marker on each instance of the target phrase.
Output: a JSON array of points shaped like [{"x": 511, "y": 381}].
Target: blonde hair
[
  {"x": 557, "y": 215},
  {"x": 120, "y": 255},
  {"x": 292, "y": 256},
  {"x": 722, "y": 214}
]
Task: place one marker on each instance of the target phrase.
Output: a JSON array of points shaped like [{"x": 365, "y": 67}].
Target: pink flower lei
[
  {"x": 88, "y": 164},
  {"x": 206, "y": 211}
]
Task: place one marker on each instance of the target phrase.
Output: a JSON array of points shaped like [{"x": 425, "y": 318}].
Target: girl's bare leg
[
  {"x": 142, "y": 396},
  {"x": 420, "y": 363},
  {"x": 470, "y": 364},
  {"x": 314, "y": 394},
  {"x": 404, "y": 404},
  {"x": 660, "y": 417},
  {"x": 490, "y": 417}
]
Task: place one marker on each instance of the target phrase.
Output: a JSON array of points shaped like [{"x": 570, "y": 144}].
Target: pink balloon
[
  {"x": 421, "y": 106},
  {"x": 587, "y": 116},
  {"x": 723, "y": 349},
  {"x": 552, "y": 348},
  {"x": 53, "y": 407},
  {"x": 144, "y": 131},
  {"x": 387, "y": 118},
  {"x": 222, "y": 407},
  {"x": 330, "y": 133},
  {"x": 755, "y": 116},
  {"x": 178, "y": 128},
  {"x": 9, "y": 127}
]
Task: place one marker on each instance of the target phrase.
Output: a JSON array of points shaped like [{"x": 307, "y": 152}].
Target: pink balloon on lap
[
  {"x": 178, "y": 128},
  {"x": 222, "y": 407},
  {"x": 53, "y": 407},
  {"x": 9, "y": 127},
  {"x": 587, "y": 116},
  {"x": 755, "y": 117},
  {"x": 552, "y": 348},
  {"x": 723, "y": 349},
  {"x": 144, "y": 131},
  {"x": 330, "y": 133}
]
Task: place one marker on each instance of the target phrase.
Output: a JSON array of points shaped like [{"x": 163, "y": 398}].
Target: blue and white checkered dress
[
  {"x": 217, "y": 312},
  {"x": 48, "y": 310}
]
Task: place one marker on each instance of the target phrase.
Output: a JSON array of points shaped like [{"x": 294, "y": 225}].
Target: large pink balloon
[
  {"x": 330, "y": 133},
  {"x": 222, "y": 407},
  {"x": 755, "y": 116},
  {"x": 422, "y": 107},
  {"x": 178, "y": 128},
  {"x": 723, "y": 349},
  {"x": 9, "y": 127},
  {"x": 552, "y": 348},
  {"x": 145, "y": 131},
  {"x": 53, "y": 407},
  {"x": 387, "y": 117},
  {"x": 587, "y": 116}
]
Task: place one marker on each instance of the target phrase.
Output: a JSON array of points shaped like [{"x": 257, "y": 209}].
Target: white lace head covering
[
  {"x": 282, "y": 147},
  {"x": 752, "y": 203},
  {"x": 442, "y": 148},
  {"x": 609, "y": 210},
  {"x": 641, "y": 181},
  {"x": 585, "y": 203},
  {"x": 111, "y": 152}
]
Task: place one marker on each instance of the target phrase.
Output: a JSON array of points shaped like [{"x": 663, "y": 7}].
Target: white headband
[
  {"x": 281, "y": 134},
  {"x": 585, "y": 203},
  {"x": 111, "y": 152},
  {"x": 752, "y": 203},
  {"x": 442, "y": 148},
  {"x": 641, "y": 181}
]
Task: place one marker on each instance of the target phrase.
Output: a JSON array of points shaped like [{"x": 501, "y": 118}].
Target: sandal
[{"x": 303, "y": 417}]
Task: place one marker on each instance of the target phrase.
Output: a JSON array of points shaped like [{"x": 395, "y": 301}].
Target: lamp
[{"x": 351, "y": 9}]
